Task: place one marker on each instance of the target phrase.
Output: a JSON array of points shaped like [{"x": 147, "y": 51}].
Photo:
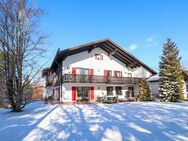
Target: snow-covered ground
[{"x": 122, "y": 121}]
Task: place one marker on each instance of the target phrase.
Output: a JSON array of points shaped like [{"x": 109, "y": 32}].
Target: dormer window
[{"x": 98, "y": 56}]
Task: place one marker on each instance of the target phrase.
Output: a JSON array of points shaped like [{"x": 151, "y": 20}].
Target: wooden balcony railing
[{"x": 69, "y": 78}]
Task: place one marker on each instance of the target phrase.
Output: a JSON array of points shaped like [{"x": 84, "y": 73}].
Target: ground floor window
[
  {"x": 118, "y": 90},
  {"x": 83, "y": 93},
  {"x": 130, "y": 92},
  {"x": 56, "y": 94},
  {"x": 109, "y": 90}
]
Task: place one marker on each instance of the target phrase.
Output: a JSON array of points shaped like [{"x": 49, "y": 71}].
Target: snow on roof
[
  {"x": 153, "y": 78},
  {"x": 156, "y": 77}
]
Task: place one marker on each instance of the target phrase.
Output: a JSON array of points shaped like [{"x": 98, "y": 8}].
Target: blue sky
[{"x": 139, "y": 26}]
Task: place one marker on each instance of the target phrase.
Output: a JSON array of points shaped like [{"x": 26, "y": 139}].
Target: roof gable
[{"x": 107, "y": 45}]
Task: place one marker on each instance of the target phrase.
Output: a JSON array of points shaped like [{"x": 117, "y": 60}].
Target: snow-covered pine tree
[
  {"x": 171, "y": 74},
  {"x": 144, "y": 91}
]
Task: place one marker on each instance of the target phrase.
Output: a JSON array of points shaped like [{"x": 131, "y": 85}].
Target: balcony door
[
  {"x": 83, "y": 74},
  {"x": 82, "y": 71}
]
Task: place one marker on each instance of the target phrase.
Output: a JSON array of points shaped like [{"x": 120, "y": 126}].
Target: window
[
  {"x": 109, "y": 73},
  {"x": 118, "y": 90},
  {"x": 129, "y": 74},
  {"x": 98, "y": 56},
  {"x": 82, "y": 71},
  {"x": 83, "y": 93},
  {"x": 187, "y": 87},
  {"x": 131, "y": 91},
  {"x": 109, "y": 91},
  {"x": 117, "y": 73}
]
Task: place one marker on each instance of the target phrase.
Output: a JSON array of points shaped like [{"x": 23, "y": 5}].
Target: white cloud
[
  {"x": 152, "y": 40},
  {"x": 149, "y": 40},
  {"x": 133, "y": 47}
]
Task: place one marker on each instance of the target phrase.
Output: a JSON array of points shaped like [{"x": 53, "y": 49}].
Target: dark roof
[
  {"x": 45, "y": 71},
  {"x": 107, "y": 45}
]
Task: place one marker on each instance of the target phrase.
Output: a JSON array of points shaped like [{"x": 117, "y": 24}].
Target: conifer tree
[
  {"x": 144, "y": 91},
  {"x": 171, "y": 74}
]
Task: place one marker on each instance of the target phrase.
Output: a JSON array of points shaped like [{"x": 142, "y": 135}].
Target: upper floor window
[
  {"x": 129, "y": 74},
  {"x": 82, "y": 71},
  {"x": 109, "y": 73},
  {"x": 98, "y": 56},
  {"x": 118, "y": 73}
]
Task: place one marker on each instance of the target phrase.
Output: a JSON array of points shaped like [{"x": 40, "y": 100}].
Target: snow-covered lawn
[{"x": 122, "y": 121}]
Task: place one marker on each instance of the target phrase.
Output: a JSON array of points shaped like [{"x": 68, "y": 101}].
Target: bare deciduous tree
[{"x": 21, "y": 47}]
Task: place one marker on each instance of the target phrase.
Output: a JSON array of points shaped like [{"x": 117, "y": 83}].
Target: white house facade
[{"x": 94, "y": 70}]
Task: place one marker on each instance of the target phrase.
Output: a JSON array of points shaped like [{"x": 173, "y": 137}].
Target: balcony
[{"x": 69, "y": 78}]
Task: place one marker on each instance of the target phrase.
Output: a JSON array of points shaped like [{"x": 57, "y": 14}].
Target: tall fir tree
[
  {"x": 144, "y": 91},
  {"x": 171, "y": 74}
]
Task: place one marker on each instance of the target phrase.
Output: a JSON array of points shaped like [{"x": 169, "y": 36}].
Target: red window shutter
[
  {"x": 105, "y": 72},
  {"x": 91, "y": 93},
  {"x": 73, "y": 71},
  {"x": 120, "y": 73},
  {"x": 114, "y": 73},
  {"x": 91, "y": 72},
  {"x": 73, "y": 93}
]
